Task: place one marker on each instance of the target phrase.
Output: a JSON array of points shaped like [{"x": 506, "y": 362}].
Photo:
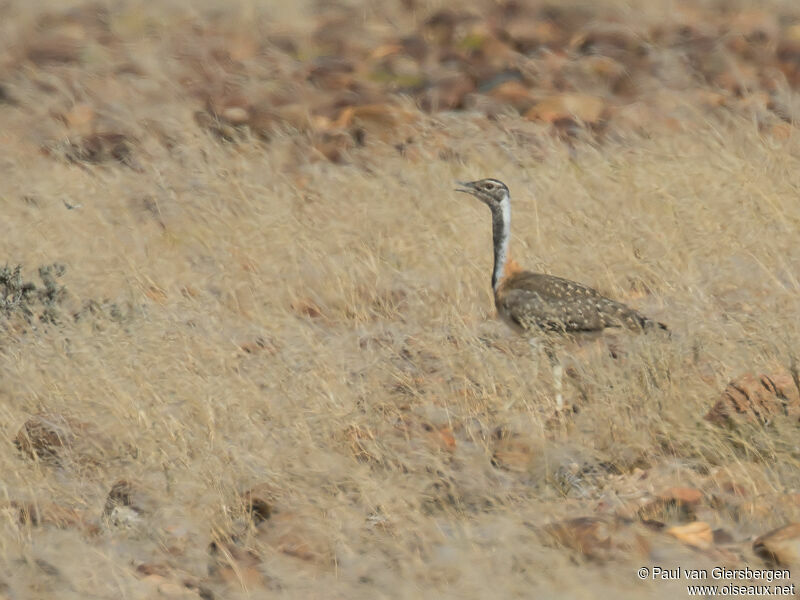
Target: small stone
[
  {"x": 57, "y": 439},
  {"x": 54, "y": 49},
  {"x": 515, "y": 93},
  {"x": 124, "y": 517},
  {"x": 160, "y": 569},
  {"x": 101, "y": 147},
  {"x": 258, "y": 503},
  {"x": 780, "y": 546},
  {"x": 291, "y": 534},
  {"x": 383, "y": 121},
  {"x": 80, "y": 118},
  {"x": 447, "y": 94},
  {"x": 170, "y": 589},
  {"x": 511, "y": 451},
  {"x": 682, "y": 495},
  {"x": 696, "y": 535},
  {"x": 722, "y": 536},
  {"x": 756, "y": 400},
  {"x": 230, "y": 563},
  {"x": 591, "y": 536},
  {"x": 235, "y": 115},
  {"x": 44, "y": 436},
  {"x": 676, "y": 503},
  {"x": 127, "y": 503},
  {"x": 332, "y": 145},
  {"x": 581, "y": 107}
]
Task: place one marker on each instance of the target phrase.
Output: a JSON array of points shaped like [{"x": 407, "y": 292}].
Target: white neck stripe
[{"x": 501, "y": 241}]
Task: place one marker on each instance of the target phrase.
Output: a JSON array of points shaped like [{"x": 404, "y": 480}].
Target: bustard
[{"x": 541, "y": 305}]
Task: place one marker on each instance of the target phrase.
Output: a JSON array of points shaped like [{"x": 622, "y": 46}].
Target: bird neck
[{"x": 501, "y": 236}]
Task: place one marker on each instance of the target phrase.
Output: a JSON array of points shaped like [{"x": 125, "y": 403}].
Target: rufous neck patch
[{"x": 511, "y": 268}]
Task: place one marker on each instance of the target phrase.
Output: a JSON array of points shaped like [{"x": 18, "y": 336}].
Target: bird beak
[{"x": 465, "y": 187}]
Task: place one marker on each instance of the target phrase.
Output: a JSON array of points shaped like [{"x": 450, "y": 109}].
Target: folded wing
[{"x": 539, "y": 301}]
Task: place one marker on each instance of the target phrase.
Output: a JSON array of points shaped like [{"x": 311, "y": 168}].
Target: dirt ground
[{"x": 248, "y": 346}]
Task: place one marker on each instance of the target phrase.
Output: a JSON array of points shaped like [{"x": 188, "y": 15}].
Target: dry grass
[{"x": 361, "y": 295}]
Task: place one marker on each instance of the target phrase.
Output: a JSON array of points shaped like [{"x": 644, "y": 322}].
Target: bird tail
[
  {"x": 649, "y": 325},
  {"x": 637, "y": 321},
  {"x": 616, "y": 314}
]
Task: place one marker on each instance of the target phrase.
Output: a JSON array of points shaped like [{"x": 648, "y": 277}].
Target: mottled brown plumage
[
  {"x": 537, "y": 303},
  {"x": 533, "y": 301}
]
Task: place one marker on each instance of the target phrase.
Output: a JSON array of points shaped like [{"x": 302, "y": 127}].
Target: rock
[
  {"x": 788, "y": 54},
  {"x": 709, "y": 99},
  {"x": 780, "y": 546},
  {"x": 511, "y": 452},
  {"x": 751, "y": 510},
  {"x": 443, "y": 437},
  {"x": 332, "y": 146},
  {"x": 603, "y": 68},
  {"x": 636, "y": 116},
  {"x": 611, "y": 40},
  {"x": 128, "y": 503},
  {"x": 780, "y": 131},
  {"x": 756, "y": 400},
  {"x": 590, "y": 536},
  {"x": 45, "y": 437},
  {"x": 528, "y": 34},
  {"x": 80, "y": 118},
  {"x": 487, "y": 105},
  {"x": 565, "y": 107},
  {"x": 682, "y": 496},
  {"x": 229, "y": 118},
  {"x": 147, "y": 569},
  {"x": 231, "y": 563},
  {"x": 97, "y": 148},
  {"x": 447, "y": 94},
  {"x": 124, "y": 517},
  {"x": 58, "y": 439},
  {"x": 696, "y": 535},
  {"x": 171, "y": 589},
  {"x": 676, "y": 503},
  {"x": 235, "y": 115},
  {"x": 291, "y": 533},
  {"x": 172, "y": 583},
  {"x": 331, "y": 73},
  {"x": 294, "y": 115},
  {"x": 223, "y": 130},
  {"x": 730, "y": 487},
  {"x": 435, "y": 436},
  {"x": 169, "y": 584},
  {"x": 515, "y": 93},
  {"x": 383, "y": 121},
  {"x": 127, "y": 493},
  {"x": 723, "y": 536},
  {"x": 50, "y": 49},
  {"x": 258, "y": 503},
  {"x": 755, "y": 26}
]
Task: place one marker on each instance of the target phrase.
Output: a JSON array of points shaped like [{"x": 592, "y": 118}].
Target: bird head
[{"x": 491, "y": 192}]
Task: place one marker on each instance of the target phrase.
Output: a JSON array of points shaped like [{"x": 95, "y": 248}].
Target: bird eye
[{"x": 489, "y": 186}]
